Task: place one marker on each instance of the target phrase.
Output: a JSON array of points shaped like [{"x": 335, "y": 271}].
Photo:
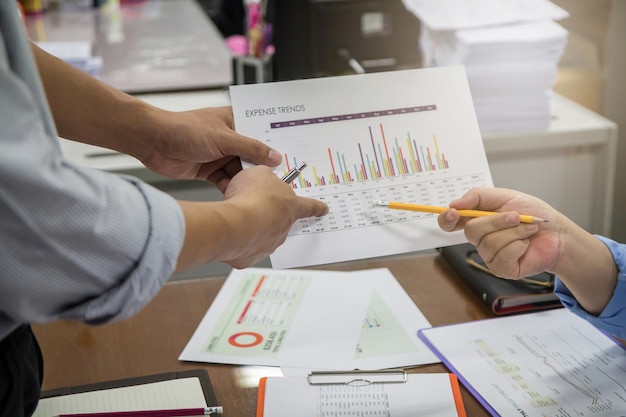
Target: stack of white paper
[{"x": 511, "y": 59}]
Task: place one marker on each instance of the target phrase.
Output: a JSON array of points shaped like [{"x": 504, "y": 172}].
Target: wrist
[
  {"x": 586, "y": 266},
  {"x": 141, "y": 126},
  {"x": 207, "y": 232},
  {"x": 214, "y": 231},
  {"x": 573, "y": 243}
]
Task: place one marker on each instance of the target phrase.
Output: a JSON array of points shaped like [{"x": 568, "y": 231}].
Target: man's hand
[
  {"x": 253, "y": 220},
  {"x": 200, "y": 144}
]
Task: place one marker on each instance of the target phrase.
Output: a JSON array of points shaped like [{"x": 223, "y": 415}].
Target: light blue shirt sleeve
[
  {"x": 613, "y": 318},
  {"x": 75, "y": 243}
]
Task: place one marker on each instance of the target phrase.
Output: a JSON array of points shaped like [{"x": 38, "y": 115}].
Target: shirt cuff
[
  {"x": 153, "y": 269},
  {"x": 613, "y": 318}
]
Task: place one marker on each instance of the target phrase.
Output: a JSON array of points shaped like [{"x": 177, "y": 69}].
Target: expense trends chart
[
  {"x": 378, "y": 156},
  {"x": 373, "y": 142}
]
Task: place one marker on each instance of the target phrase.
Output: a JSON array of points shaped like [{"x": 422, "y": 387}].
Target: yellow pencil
[{"x": 524, "y": 218}]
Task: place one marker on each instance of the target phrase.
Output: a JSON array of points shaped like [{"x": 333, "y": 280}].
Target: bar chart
[{"x": 361, "y": 150}]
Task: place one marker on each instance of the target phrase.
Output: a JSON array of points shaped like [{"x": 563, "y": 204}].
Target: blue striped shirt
[{"x": 75, "y": 243}]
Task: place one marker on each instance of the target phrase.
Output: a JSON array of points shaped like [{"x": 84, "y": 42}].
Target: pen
[
  {"x": 293, "y": 173},
  {"x": 201, "y": 411},
  {"x": 465, "y": 213}
]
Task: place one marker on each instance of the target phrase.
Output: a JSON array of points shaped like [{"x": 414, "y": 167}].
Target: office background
[
  {"x": 590, "y": 71},
  {"x": 579, "y": 157},
  {"x": 574, "y": 160}
]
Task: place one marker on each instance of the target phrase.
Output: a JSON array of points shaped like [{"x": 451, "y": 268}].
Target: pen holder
[{"x": 251, "y": 70}]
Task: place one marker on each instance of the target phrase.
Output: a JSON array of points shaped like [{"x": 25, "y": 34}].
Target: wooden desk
[{"x": 151, "y": 341}]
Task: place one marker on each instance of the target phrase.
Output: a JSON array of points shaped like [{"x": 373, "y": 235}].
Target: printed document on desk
[
  {"x": 546, "y": 364},
  {"x": 432, "y": 395},
  {"x": 409, "y": 136},
  {"x": 306, "y": 320},
  {"x": 172, "y": 390}
]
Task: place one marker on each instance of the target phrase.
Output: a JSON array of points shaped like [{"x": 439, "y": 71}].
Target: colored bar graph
[{"x": 382, "y": 161}]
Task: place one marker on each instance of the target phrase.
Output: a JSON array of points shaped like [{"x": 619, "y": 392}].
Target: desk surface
[{"x": 151, "y": 341}]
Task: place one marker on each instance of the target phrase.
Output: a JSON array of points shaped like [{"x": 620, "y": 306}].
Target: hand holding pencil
[{"x": 512, "y": 249}]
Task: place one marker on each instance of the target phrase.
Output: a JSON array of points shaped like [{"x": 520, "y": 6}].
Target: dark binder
[
  {"x": 502, "y": 296},
  {"x": 201, "y": 374}
]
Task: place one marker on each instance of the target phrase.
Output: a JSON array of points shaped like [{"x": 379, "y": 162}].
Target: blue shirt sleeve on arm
[
  {"x": 75, "y": 243},
  {"x": 613, "y": 318},
  {"x": 152, "y": 268}
]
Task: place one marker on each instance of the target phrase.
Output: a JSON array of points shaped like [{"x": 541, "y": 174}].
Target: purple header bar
[{"x": 364, "y": 115}]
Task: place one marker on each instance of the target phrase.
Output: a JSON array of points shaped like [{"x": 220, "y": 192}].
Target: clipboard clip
[{"x": 358, "y": 377}]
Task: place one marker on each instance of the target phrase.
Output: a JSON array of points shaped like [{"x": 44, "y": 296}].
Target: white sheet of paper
[
  {"x": 408, "y": 136},
  {"x": 421, "y": 395},
  {"x": 299, "y": 318},
  {"x": 388, "y": 337},
  {"x": 388, "y": 333},
  {"x": 463, "y": 14},
  {"x": 280, "y": 318},
  {"x": 324, "y": 334},
  {"x": 549, "y": 364}
]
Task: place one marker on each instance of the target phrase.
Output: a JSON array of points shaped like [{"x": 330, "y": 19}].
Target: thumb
[{"x": 252, "y": 150}]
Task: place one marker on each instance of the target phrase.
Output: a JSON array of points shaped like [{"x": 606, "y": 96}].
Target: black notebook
[{"x": 502, "y": 296}]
